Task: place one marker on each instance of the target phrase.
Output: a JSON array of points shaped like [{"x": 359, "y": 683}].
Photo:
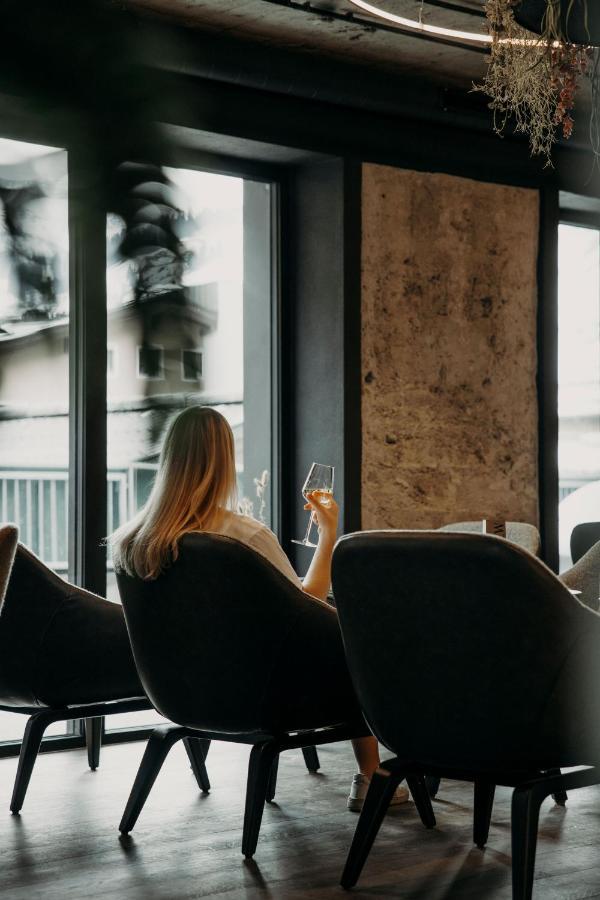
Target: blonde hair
[{"x": 194, "y": 485}]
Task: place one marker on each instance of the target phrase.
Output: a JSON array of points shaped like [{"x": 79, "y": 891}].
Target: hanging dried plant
[{"x": 533, "y": 79}]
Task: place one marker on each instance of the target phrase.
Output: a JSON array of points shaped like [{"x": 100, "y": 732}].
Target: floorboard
[{"x": 65, "y": 844}]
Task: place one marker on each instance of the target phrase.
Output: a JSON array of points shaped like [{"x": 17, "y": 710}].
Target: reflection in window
[
  {"x": 34, "y": 363},
  {"x": 578, "y": 381}
]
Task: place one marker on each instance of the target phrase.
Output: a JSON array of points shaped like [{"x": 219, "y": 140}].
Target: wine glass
[{"x": 319, "y": 478}]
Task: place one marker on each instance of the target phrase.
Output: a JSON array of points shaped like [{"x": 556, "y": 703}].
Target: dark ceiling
[{"x": 336, "y": 29}]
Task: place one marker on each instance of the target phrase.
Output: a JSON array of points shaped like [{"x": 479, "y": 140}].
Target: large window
[
  {"x": 34, "y": 358},
  {"x": 578, "y": 380},
  {"x": 177, "y": 349},
  {"x": 210, "y": 344}
]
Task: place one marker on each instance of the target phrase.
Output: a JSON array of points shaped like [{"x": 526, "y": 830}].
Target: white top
[{"x": 260, "y": 538}]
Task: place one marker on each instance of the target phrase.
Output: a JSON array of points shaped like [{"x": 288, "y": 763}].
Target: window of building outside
[
  {"x": 34, "y": 362},
  {"x": 191, "y": 363},
  {"x": 215, "y": 347},
  {"x": 578, "y": 381},
  {"x": 150, "y": 362}
]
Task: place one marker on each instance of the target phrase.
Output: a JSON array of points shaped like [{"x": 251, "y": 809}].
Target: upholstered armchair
[
  {"x": 486, "y": 670},
  {"x": 584, "y": 576},
  {"x": 520, "y": 533},
  {"x": 229, "y": 649},
  {"x": 64, "y": 654}
]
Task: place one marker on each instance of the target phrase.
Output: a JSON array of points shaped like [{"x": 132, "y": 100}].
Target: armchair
[
  {"x": 584, "y": 576},
  {"x": 521, "y": 533},
  {"x": 229, "y": 649},
  {"x": 64, "y": 654},
  {"x": 493, "y": 668}
]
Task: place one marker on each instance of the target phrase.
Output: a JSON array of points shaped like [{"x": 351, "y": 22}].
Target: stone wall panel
[{"x": 449, "y": 401}]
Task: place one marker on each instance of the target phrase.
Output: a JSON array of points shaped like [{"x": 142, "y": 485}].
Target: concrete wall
[{"x": 449, "y": 297}]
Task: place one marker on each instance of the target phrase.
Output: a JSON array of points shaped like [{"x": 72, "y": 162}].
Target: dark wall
[{"x": 323, "y": 309}]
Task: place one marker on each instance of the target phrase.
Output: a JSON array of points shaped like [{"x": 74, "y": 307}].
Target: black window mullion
[{"x": 87, "y": 381}]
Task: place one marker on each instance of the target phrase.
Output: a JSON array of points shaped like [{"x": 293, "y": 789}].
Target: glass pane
[
  {"x": 578, "y": 381},
  {"x": 34, "y": 360},
  {"x": 172, "y": 351}
]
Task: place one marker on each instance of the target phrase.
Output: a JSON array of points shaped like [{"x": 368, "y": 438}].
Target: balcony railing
[{"x": 38, "y": 502}]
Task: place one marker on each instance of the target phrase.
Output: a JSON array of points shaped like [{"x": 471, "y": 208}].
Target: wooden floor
[{"x": 65, "y": 844}]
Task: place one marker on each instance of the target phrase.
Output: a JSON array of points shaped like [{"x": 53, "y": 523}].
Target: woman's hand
[{"x": 326, "y": 512}]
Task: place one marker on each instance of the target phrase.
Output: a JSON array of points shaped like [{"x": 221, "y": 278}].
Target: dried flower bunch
[{"x": 533, "y": 79}]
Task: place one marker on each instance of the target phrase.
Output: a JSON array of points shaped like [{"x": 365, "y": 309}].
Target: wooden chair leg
[
  {"x": 560, "y": 797},
  {"x": 260, "y": 767},
  {"x": 159, "y": 743},
  {"x": 525, "y": 815},
  {"x": 420, "y": 795},
  {"x": 482, "y": 811},
  {"x": 382, "y": 787},
  {"x": 311, "y": 758},
  {"x": 433, "y": 785},
  {"x": 93, "y": 740},
  {"x": 273, "y": 780},
  {"x": 34, "y": 732},
  {"x": 195, "y": 752}
]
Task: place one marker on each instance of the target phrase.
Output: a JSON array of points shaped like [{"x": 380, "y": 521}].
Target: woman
[{"x": 195, "y": 490}]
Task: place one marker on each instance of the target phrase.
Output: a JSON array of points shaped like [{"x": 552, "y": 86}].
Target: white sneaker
[{"x": 358, "y": 792}]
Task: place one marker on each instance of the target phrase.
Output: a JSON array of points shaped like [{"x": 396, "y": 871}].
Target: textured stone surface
[{"x": 449, "y": 298}]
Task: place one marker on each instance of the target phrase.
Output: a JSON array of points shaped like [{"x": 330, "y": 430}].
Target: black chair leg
[
  {"x": 420, "y": 795},
  {"x": 482, "y": 811},
  {"x": 525, "y": 815},
  {"x": 195, "y": 752},
  {"x": 260, "y": 767},
  {"x": 382, "y": 787},
  {"x": 93, "y": 740},
  {"x": 34, "y": 732},
  {"x": 560, "y": 797},
  {"x": 433, "y": 785},
  {"x": 311, "y": 758},
  {"x": 160, "y": 742},
  {"x": 272, "y": 781},
  {"x": 205, "y": 746}
]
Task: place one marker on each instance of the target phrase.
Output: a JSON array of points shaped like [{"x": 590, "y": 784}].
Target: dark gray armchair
[
  {"x": 486, "y": 669},
  {"x": 229, "y": 649},
  {"x": 64, "y": 654}
]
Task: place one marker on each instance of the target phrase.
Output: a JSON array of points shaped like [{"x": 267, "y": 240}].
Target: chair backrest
[
  {"x": 520, "y": 533},
  {"x": 224, "y": 642},
  {"x": 466, "y": 650},
  {"x": 9, "y": 537},
  {"x": 583, "y": 538},
  {"x": 60, "y": 645},
  {"x": 584, "y": 576}
]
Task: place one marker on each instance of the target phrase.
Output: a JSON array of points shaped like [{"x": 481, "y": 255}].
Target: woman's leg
[{"x": 366, "y": 752}]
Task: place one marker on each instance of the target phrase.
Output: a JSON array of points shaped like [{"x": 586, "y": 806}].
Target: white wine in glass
[{"x": 319, "y": 478}]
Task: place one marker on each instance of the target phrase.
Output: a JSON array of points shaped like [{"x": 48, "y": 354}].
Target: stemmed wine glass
[{"x": 319, "y": 478}]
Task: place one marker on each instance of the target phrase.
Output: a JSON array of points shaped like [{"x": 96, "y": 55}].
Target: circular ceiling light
[{"x": 435, "y": 31}]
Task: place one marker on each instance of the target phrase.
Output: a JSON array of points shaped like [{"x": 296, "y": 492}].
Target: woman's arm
[{"x": 318, "y": 578}]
